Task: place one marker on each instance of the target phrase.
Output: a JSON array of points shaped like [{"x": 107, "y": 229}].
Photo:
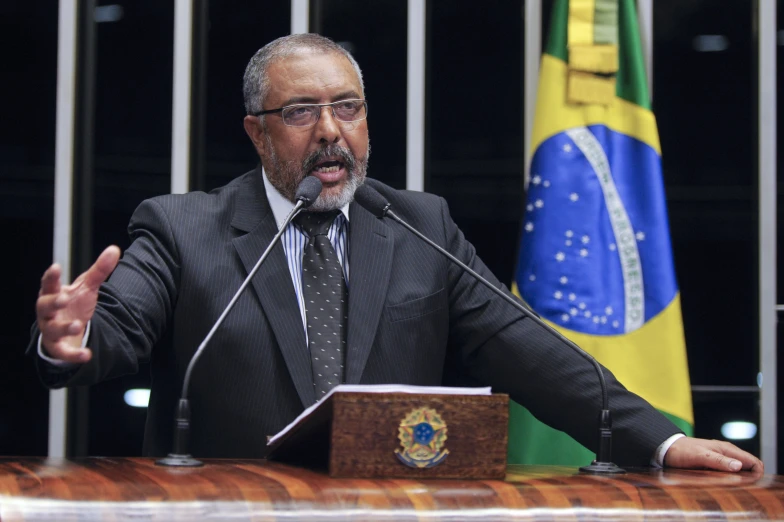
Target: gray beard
[
  {"x": 327, "y": 202},
  {"x": 287, "y": 175}
]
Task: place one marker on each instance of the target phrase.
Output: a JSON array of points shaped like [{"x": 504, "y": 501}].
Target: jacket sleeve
[
  {"x": 134, "y": 308},
  {"x": 497, "y": 345}
]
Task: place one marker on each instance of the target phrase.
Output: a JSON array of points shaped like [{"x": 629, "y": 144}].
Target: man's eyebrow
[
  {"x": 346, "y": 95},
  {"x": 299, "y": 99}
]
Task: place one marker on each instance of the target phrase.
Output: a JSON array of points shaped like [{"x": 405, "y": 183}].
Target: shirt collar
[{"x": 282, "y": 207}]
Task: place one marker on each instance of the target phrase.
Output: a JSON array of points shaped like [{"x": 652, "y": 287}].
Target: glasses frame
[{"x": 318, "y": 117}]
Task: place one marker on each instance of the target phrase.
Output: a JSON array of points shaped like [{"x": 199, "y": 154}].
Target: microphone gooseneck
[
  {"x": 379, "y": 206},
  {"x": 307, "y": 193}
]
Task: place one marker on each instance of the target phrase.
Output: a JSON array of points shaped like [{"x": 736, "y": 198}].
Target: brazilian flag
[{"x": 595, "y": 258}]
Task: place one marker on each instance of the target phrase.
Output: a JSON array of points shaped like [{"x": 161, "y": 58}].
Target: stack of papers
[{"x": 382, "y": 388}]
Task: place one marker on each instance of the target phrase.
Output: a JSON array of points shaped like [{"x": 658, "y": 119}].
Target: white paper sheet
[{"x": 382, "y": 388}]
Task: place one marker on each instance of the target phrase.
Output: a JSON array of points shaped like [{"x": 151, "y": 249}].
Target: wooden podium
[
  {"x": 401, "y": 435},
  {"x": 365, "y": 436},
  {"x": 120, "y": 489}
]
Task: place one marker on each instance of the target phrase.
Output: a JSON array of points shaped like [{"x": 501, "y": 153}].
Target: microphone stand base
[
  {"x": 179, "y": 461},
  {"x": 602, "y": 468}
]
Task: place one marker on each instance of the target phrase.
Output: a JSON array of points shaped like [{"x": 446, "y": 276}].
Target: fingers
[
  {"x": 55, "y": 330},
  {"x": 728, "y": 457},
  {"x": 62, "y": 340},
  {"x": 693, "y": 453},
  {"x": 748, "y": 461},
  {"x": 48, "y": 305},
  {"x": 62, "y": 351},
  {"x": 63, "y": 311},
  {"x": 103, "y": 266},
  {"x": 722, "y": 462},
  {"x": 50, "y": 282}
]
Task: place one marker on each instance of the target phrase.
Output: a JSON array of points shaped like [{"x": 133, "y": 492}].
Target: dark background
[{"x": 705, "y": 103}]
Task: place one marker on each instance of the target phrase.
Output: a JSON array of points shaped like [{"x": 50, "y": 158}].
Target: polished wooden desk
[{"x": 122, "y": 489}]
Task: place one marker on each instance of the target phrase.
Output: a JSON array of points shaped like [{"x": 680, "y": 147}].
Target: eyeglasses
[{"x": 308, "y": 114}]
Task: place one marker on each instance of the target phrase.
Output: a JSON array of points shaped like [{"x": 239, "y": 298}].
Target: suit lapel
[
  {"x": 370, "y": 261},
  {"x": 272, "y": 282}
]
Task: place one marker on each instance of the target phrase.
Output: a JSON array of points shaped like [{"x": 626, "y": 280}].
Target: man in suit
[{"x": 412, "y": 317}]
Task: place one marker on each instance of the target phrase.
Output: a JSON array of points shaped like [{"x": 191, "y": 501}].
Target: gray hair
[{"x": 256, "y": 84}]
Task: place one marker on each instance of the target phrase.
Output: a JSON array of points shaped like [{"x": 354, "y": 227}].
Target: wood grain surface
[
  {"x": 366, "y": 426},
  {"x": 136, "y": 489}
]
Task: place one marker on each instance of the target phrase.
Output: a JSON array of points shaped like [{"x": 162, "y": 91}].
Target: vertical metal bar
[
  {"x": 299, "y": 16},
  {"x": 533, "y": 54},
  {"x": 181, "y": 96},
  {"x": 82, "y": 199},
  {"x": 415, "y": 113},
  {"x": 766, "y": 22},
  {"x": 645, "y": 21},
  {"x": 63, "y": 187},
  {"x": 198, "y": 108}
]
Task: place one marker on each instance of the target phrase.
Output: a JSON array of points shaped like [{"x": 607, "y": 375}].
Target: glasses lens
[
  {"x": 301, "y": 115},
  {"x": 350, "y": 110}
]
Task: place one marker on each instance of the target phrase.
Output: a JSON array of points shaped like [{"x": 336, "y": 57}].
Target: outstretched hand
[
  {"x": 688, "y": 452},
  {"x": 64, "y": 310}
]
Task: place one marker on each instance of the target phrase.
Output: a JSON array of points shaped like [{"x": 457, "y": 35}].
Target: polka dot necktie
[{"x": 326, "y": 301}]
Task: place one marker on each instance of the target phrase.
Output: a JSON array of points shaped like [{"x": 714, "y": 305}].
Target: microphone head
[
  {"x": 372, "y": 200},
  {"x": 308, "y": 191}
]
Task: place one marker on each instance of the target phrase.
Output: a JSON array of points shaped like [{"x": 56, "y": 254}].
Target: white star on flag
[
  {"x": 564, "y": 280},
  {"x": 567, "y": 148},
  {"x": 573, "y": 196},
  {"x": 529, "y": 226},
  {"x": 640, "y": 236},
  {"x": 536, "y": 179},
  {"x": 560, "y": 256}
]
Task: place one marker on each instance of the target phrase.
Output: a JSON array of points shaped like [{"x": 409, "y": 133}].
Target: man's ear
[{"x": 255, "y": 132}]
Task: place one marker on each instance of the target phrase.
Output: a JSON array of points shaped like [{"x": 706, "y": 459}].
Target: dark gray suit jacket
[{"x": 413, "y": 318}]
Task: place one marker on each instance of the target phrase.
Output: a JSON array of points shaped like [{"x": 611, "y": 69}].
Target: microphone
[
  {"x": 373, "y": 201},
  {"x": 307, "y": 193}
]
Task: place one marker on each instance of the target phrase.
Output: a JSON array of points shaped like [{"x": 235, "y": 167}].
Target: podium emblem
[{"x": 422, "y": 434}]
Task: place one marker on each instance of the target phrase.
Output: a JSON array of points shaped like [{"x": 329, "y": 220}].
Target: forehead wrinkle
[{"x": 301, "y": 76}]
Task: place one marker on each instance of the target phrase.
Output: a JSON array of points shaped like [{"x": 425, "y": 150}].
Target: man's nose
[{"x": 327, "y": 127}]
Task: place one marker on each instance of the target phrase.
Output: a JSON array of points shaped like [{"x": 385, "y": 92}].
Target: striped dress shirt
[{"x": 294, "y": 240}]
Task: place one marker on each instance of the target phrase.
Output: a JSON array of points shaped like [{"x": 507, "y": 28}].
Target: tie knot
[{"x": 316, "y": 223}]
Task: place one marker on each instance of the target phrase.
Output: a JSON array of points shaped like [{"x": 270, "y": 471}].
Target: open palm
[{"x": 64, "y": 310}]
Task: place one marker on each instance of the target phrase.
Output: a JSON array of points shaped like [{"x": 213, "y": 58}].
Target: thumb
[{"x": 103, "y": 266}]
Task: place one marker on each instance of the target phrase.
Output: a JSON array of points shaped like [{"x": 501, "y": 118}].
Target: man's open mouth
[
  {"x": 328, "y": 166},
  {"x": 332, "y": 164}
]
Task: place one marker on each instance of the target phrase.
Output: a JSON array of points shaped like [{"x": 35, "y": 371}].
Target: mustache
[{"x": 330, "y": 151}]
